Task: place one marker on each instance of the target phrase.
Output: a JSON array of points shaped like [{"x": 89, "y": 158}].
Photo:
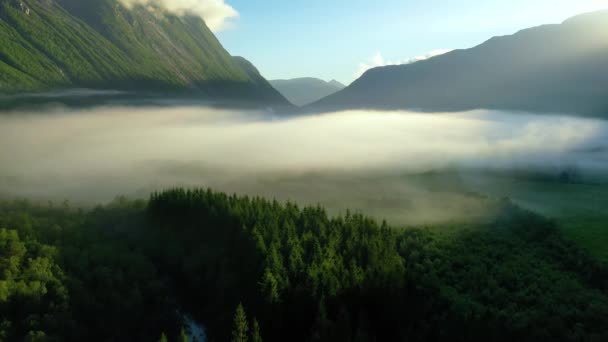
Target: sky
[{"x": 339, "y": 39}]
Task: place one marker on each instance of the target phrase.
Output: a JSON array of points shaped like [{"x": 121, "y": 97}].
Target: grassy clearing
[
  {"x": 581, "y": 209},
  {"x": 589, "y": 232}
]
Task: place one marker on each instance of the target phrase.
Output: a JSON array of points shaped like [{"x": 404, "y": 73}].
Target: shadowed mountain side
[
  {"x": 303, "y": 91},
  {"x": 553, "y": 68}
]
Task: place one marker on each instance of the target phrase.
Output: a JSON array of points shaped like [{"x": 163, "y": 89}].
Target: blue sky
[{"x": 330, "y": 39}]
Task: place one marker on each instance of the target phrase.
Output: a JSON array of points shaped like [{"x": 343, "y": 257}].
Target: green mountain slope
[{"x": 50, "y": 44}]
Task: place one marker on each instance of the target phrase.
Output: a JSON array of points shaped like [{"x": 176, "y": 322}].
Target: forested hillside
[
  {"x": 49, "y": 45},
  {"x": 130, "y": 271}
]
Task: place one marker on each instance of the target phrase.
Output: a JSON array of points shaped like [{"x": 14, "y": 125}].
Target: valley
[{"x": 156, "y": 186}]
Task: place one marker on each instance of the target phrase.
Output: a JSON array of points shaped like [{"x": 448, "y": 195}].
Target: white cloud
[
  {"x": 216, "y": 13},
  {"x": 378, "y": 60}
]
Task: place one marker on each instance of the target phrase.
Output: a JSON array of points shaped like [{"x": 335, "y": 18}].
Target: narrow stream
[{"x": 195, "y": 330}]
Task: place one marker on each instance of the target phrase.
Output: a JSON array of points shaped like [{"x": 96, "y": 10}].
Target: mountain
[
  {"x": 303, "y": 91},
  {"x": 101, "y": 44},
  {"x": 559, "y": 68}
]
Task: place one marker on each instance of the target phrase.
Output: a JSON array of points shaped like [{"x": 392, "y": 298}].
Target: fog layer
[{"x": 357, "y": 159}]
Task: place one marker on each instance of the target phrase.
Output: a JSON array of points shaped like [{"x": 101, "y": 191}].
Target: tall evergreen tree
[
  {"x": 255, "y": 334},
  {"x": 183, "y": 337},
  {"x": 240, "y": 327}
]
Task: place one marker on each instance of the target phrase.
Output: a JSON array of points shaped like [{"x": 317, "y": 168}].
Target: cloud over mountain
[
  {"x": 216, "y": 13},
  {"x": 378, "y": 60}
]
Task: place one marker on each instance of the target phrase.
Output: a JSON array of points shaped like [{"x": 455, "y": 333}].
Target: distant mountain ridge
[
  {"x": 100, "y": 44},
  {"x": 552, "y": 68},
  {"x": 306, "y": 90}
]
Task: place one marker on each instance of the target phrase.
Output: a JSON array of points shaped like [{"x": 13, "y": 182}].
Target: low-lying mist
[{"x": 403, "y": 166}]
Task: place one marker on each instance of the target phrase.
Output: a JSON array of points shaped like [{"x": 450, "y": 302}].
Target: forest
[{"x": 251, "y": 269}]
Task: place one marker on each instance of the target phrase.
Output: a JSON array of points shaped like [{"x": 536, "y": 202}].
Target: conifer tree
[
  {"x": 240, "y": 327},
  {"x": 255, "y": 334},
  {"x": 183, "y": 337}
]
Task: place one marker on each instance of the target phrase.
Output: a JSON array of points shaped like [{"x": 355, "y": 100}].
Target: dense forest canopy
[{"x": 258, "y": 269}]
